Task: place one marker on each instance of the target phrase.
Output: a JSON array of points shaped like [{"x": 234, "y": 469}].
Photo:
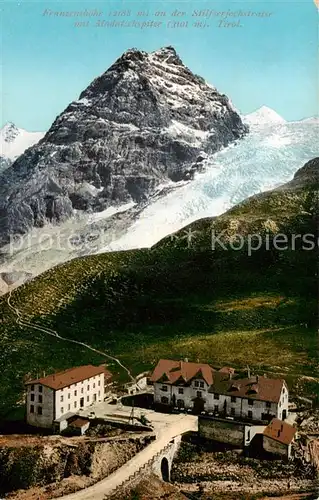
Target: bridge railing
[{"x": 116, "y": 491}]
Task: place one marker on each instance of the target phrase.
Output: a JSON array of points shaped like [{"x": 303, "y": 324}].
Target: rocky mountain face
[{"x": 147, "y": 120}]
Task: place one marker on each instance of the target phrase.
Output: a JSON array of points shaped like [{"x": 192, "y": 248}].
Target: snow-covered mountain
[
  {"x": 147, "y": 120},
  {"x": 264, "y": 159},
  {"x": 263, "y": 116},
  {"x": 146, "y": 149},
  {"x": 14, "y": 141}
]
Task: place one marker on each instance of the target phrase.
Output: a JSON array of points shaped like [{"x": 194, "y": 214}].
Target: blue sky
[{"x": 270, "y": 61}]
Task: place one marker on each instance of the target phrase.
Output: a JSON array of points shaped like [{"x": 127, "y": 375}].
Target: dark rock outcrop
[{"x": 146, "y": 120}]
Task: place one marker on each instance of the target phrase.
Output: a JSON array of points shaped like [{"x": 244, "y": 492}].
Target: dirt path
[{"x": 20, "y": 321}]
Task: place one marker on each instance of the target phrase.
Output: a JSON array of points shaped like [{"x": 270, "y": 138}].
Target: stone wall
[
  {"x": 276, "y": 448},
  {"x": 231, "y": 432}
]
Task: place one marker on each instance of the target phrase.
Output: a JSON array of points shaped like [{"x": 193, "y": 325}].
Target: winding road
[{"x": 20, "y": 321}]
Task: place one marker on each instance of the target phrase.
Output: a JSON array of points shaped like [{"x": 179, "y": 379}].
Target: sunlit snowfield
[{"x": 269, "y": 156}]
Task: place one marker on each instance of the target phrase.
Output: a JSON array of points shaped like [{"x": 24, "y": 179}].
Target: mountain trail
[{"x": 54, "y": 333}]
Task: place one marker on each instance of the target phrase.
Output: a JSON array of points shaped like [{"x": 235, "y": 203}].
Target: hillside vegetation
[{"x": 181, "y": 299}]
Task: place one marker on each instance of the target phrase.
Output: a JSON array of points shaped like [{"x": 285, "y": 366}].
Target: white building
[
  {"x": 58, "y": 396},
  {"x": 200, "y": 388}
]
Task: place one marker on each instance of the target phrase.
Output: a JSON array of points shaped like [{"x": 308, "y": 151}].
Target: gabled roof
[
  {"x": 280, "y": 431},
  {"x": 257, "y": 387},
  {"x": 79, "y": 422},
  {"x": 181, "y": 371},
  {"x": 71, "y": 376}
]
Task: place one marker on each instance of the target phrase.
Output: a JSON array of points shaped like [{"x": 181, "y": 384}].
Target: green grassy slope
[{"x": 219, "y": 306}]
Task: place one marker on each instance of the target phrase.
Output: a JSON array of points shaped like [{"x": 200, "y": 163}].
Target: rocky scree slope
[{"x": 147, "y": 120}]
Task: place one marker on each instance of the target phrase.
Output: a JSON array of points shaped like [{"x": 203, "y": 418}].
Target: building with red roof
[
  {"x": 200, "y": 388},
  {"x": 278, "y": 437},
  {"x": 52, "y": 399}
]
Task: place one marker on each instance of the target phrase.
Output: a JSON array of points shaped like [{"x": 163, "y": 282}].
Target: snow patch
[
  {"x": 84, "y": 101},
  {"x": 110, "y": 211},
  {"x": 14, "y": 141}
]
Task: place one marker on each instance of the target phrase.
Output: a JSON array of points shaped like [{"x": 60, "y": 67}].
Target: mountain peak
[
  {"x": 264, "y": 116},
  {"x": 145, "y": 121},
  {"x": 9, "y": 132}
]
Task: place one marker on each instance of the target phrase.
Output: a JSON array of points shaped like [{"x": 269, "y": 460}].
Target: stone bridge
[
  {"x": 160, "y": 464},
  {"x": 157, "y": 457}
]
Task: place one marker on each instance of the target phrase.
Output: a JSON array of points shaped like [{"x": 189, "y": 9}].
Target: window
[
  {"x": 164, "y": 388},
  {"x": 216, "y": 396},
  {"x": 180, "y": 403},
  {"x": 40, "y": 388},
  {"x": 75, "y": 385},
  {"x": 32, "y": 387},
  {"x": 201, "y": 384},
  {"x": 251, "y": 402},
  {"x": 164, "y": 400},
  {"x": 75, "y": 393},
  {"x": 31, "y": 408},
  {"x": 283, "y": 390},
  {"x": 74, "y": 404},
  {"x": 82, "y": 390},
  {"x": 32, "y": 397},
  {"x": 88, "y": 387},
  {"x": 62, "y": 410},
  {"x": 94, "y": 397},
  {"x": 250, "y": 414},
  {"x": 198, "y": 394},
  {"x": 39, "y": 410},
  {"x": 196, "y": 383},
  {"x": 99, "y": 393},
  {"x": 40, "y": 398},
  {"x": 268, "y": 404},
  {"x": 99, "y": 382},
  {"x": 61, "y": 399},
  {"x": 69, "y": 407},
  {"x": 233, "y": 399},
  {"x": 180, "y": 390},
  {"x": 232, "y": 411},
  {"x": 93, "y": 386},
  {"x": 216, "y": 407},
  {"x": 88, "y": 398},
  {"x": 69, "y": 395}
]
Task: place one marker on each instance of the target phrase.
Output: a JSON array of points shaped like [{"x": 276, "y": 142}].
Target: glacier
[{"x": 267, "y": 157}]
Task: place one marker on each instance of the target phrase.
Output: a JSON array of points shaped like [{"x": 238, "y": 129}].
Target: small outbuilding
[
  {"x": 278, "y": 437},
  {"x": 79, "y": 426}
]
